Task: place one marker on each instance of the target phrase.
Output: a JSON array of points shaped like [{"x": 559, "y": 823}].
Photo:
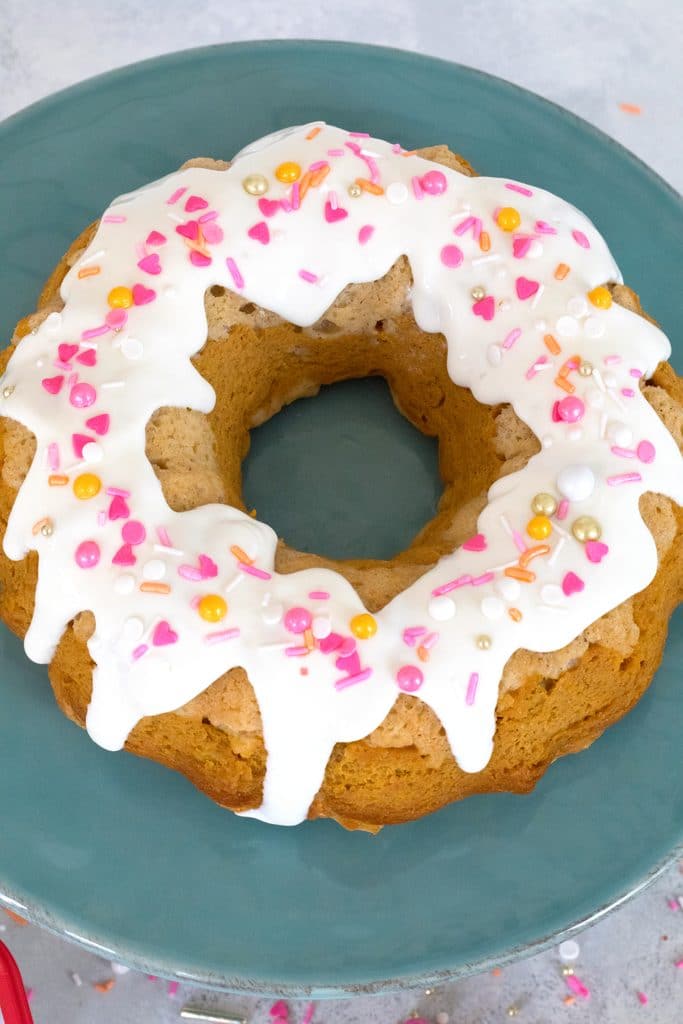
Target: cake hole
[
  {"x": 247, "y": 308},
  {"x": 343, "y": 475},
  {"x": 217, "y": 290}
]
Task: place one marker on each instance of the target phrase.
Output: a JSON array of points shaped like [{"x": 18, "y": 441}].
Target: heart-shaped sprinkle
[
  {"x": 349, "y": 663},
  {"x": 79, "y": 442},
  {"x": 163, "y": 635},
  {"x": 118, "y": 508},
  {"x": 596, "y": 551},
  {"x": 485, "y": 308},
  {"x": 207, "y": 567},
  {"x": 199, "y": 259},
  {"x": 331, "y": 642},
  {"x": 212, "y": 232},
  {"x": 151, "y": 264},
  {"x": 572, "y": 584},
  {"x": 87, "y": 358},
  {"x": 155, "y": 238},
  {"x": 195, "y": 203},
  {"x": 521, "y": 245},
  {"x": 476, "y": 543},
  {"x": 268, "y": 207},
  {"x": 526, "y": 288},
  {"x": 189, "y": 230},
  {"x": 124, "y": 556},
  {"x": 143, "y": 295},
  {"x": 100, "y": 424},
  {"x": 67, "y": 352},
  {"x": 116, "y": 318},
  {"x": 332, "y": 215},
  {"x": 53, "y": 385},
  {"x": 260, "y": 232}
]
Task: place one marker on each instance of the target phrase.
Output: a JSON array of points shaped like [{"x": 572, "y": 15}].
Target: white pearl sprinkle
[
  {"x": 321, "y": 626},
  {"x": 92, "y": 452},
  {"x": 551, "y": 593},
  {"x": 595, "y": 399},
  {"x": 492, "y": 607},
  {"x": 567, "y": 327},
  {"x": 535, "y": 250},
  {"x": 593, "y": 327},
  {"x": 577, "y": 306},
  {"x": 576, "y": 482},
  {"x": 510, "y": 589},
  {"x": 154, "y": 569},
  {"x": 396, "y": 193},
  {"x": 494, "y": 354},
  {"x": 619, "y": 434},
  {"x": 569, "y": 951},
  {"x": 132, "y": 348},
  {"x": 441, "y": 608},
  {"x": 133, "y": 628},
  {"x": 124, "y": 584}
]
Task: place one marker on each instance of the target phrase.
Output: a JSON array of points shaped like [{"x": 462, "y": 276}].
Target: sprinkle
[
  {"x": 119, "y": 492},
  {"x": 577, "y": 986},
  {"x": 95, "y": 332},
  {"x": 624, "y": 453},
  {"x": 531, "y": 553},
  {"x": 240, "y": 554},
  {"x": 523, "y": 191},
  {"x": 535, "y": 368},
  {"x": 317, "y": 595},
  {"x": 57, "y": 480},
  {"x": 642, "y": 998},
  {"x": 365, "y": 233},
  {"x": 88, "y": 271},
  {"x": 624, "y": 478},
  {"x": 520, "y": 543},
  {"x": 628, "y": 392},
  {"x": 561, "y": 271},
  {"x": 486, "y": 578},
  {"x": 53, "y": 456},
  {"x": 91, "y": 258},
  {"x": 565, "y": 384},
  {"x": 515, "y": 614},
  {"x": 569, "y": 1000},
  {"x": 551, "y": 344},
  {"x": 357, "y": 677},
  {"x": 234, "y": 272},
  {"x": 113, "y": 218},
  {"x": 222, "y": 635},
  {"x": 484, "y": 241},
  {"x": 13, "y": 916},
  {"x": 37, "y": 527},
  {"x": 104, "y": 986},
  {"x": 611, "y": 360},
  {"x": 635, "y": 372},
  {"x": 630, "y": 108},
  {"x": 581, "y": 239},
  {"x": 295, "y": 196},
  {"x": 446, "y": 588},
  {"x": 253, "y": 571},
  {"x": 679, "y": 964},
  {"x": 423, "y": 653},
  {"x": 512, "y": 337},
  {"x": 556, "y": 551},
  {"x": 297, "y": 652},
  {"x": 320, "y": 175},
  {"x": 370, "y": 186},
  {"x": 335, "y": 152},
  {"x": 472, "y": 688},
  {"x": 175, "y": 196},
  {"x": 525, "y": 575},
  {"x": 308, "y": 1015},
  {"x": 307, "y": 275},
  {"x": 173, "y": 987},
  {"x": 469, "y": 223},
  {"x": 76, "y": 979},
  {"x": 537, "y": 297},
  {"x": 313, "y": 132},
  {"x": 152, "y": 587},
  {"x": 113, "y": 384},
  {"x": 418, "y": 191}
]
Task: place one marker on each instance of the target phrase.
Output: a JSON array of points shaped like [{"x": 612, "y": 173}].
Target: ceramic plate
[{"x": 123, "y": 855}]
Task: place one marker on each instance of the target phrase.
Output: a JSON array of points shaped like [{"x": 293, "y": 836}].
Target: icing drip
[{"x": 511, "y": 275}]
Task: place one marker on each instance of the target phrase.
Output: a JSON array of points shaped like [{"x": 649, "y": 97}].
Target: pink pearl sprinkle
[
  {"x": 87, "y": 554},
  {"x": 298, "y": 620},
  {"x": 434, "y": 182},
  {"x": 571, "y": 409},
  {"x": 82, "y": 395},
  {"x": 451, "y": 256},
  {"x": 562, "y": 509},
  {"x": 133, "y": 532},
  {"x": 646, "y": 451},
  {"x": 409, "y": 678}
]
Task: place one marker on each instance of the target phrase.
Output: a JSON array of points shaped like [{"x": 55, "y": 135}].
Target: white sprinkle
[
  {"x": 272, "y": 614},
  {"x": 76, "y": 978},
  {"x": 551, "y": 594},
  {"x": 90, "y": 259},
  {"x": 175, "y": 217},
  {"x": 113, "y": 384},
  {"x": 154, "y": 569},
  {"x": 577, "y": 306},
  {"x": 321, "y": 626},
  {"x": 537, "y": 297},
  {"x": 491, "y": 257},
  {"x": 556, "y": 550},
  {"x": 441, "y": 608},
  {"x": 92, "y": 452},
  {"x": 124, "y": 584},
  {"x": 119, "y": 968},
  {"x": 597, "y": 377},
  {"x": 169, "y": 551},
  {"x": 535, "y": 250},
  {"x": 234, "y": 583},
  {"x": 510, "y": 589},
  {"x": 569, "y": 951},
  {"x": 567, "y": 327},
  {"x": 396, "y": 193}
]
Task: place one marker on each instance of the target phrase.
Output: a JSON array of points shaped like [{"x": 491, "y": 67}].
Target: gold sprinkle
[
  {"x": 354, "y": 190},
  {"x": 478, "y": 292},
  {"x": 483, "y": 642},
  {"x": 8, "y": 391}
]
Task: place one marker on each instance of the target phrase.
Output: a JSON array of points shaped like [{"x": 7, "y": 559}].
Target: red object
[{"x": 13, "y": 1001}]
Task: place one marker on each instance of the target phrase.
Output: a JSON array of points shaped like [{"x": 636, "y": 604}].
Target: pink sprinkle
[
  {"x": 318, "y": 165},
  {"x": 577, "y": 986},
  {"x": 518, "y": 188},
  {"x": 365, "y": 233},
  {"x": 512, "y": 337},
  {"x": 53, "y": 456},
  {"x": 286, "y": 205},
  {"x": 139, "y": 651},
  {"x": 624, "y": 453},
  {"x": 562, "y": 509},
  {"x": 209, "y": 215},
  {"x": 152, "y": 977},
  {"x": 410, "y": 637},
  {"x": 418, "y": 191},
  {"x": 335, "y": 152},
  {"x": 61, "y": 365},
  {"x": 190, "y": 572},
  {"x": 112, "y": 218},
  {"x": 581, "y": 239},
  {"x": 628, "y": 392},
  {"x": 679, "y": 964},
  {"x": 295, "y": 195},
  {"x": 430, "y": 641},
  {"x": 360, "y": 135},
  {"x": 29, "y": 994},
  {"x": 543, "y": 228},
  {"x": 673, "y": 905},
  {"x": 611, "y": 360},
  {"x": 415, "y": 630},
  {"x": 221, "y": 635},
  {"x": 642, "y": 998},
  {"x": 396, "y": 147},
  {"x": 485, "y": 578},
  {"x": 251, "y": 570},
  {"x": 372, "y": 167},
  {"x": 353, "y": 146},
  {"x": 308, "y": 1015},
  {"x": 472, "y": 688},
  {"x": 164, "y": 538},
  {"x": 319, "y": 595},
  {"x": 102, "y": 517},
  {"x": 173, "y": 987},
  {"x": 95, "y": 332},
  {"x": 333, "y": 201},
  {"x": 296, "y": 652},
  {"x": 307, "y": 275},
  {"x": 117, "y": 492},
  {"x": 464, "y": 225},
  {"x": 234, "y": 272},
  {"x": 534, "y": 368},
  {"x": 520, "y": 543},
  {"x": 357, "y": 677},
  {"x": 624, "y": 478},
  {"x": 279, "y": 1009},
  {"x": 446, "y": 588},
  {"x": 176, "y": 196},
  {"x": 140, "y": 251},
  {"x": 635, "y": 372}
]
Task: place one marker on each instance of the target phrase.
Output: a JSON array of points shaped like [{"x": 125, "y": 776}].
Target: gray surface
[{"x": 589, "y": 61}]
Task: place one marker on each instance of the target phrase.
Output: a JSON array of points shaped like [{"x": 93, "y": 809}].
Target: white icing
[{"x": 146, "y": 365}]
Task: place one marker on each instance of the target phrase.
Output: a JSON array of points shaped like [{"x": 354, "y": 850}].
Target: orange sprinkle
[
  {"x": 308, "y": 639},
  {"x": 573, "y": 363},
  {"x": 516, "y": 573},
  {"x": 515, "y": 614},
  {"x": 531, "y": 553},
  {"x": 569, "y": 1000},
  {"x": 37, "y": 527},
  {"x": 484, "y": 241},
  {"x": 196, "y": 247},
  {"x": 57, "y": 480},
  {"x": 155, "y": 588},
  {"x": 566, "y": 385},
  {"x": 313, "y": 132},
  {"x": 496, "y": 972},
  {"x": 88, "y": 271},
  {"x": 561, "y": 271},
  {"x": 630, "y": 108},
  {"x": 409, "y": 152},
  {"x": 241, "y": 555},
  {"x": 15, "y": 917},
  {"x": 304, "y": 185},
  {"x": 423, "y": 653},
  {"x": 369, "y": 186},
  {"x": 320, "y": 175},
  {"x": 552, "y": 344},
  {"x": 104, "y": 986}
]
